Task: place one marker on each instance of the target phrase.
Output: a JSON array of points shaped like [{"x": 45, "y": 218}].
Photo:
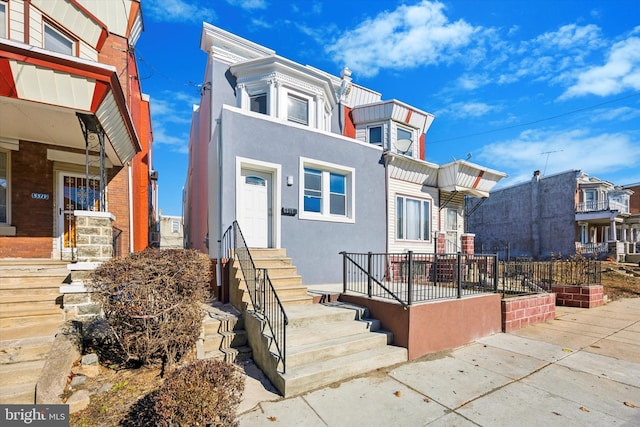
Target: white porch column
[
  {"x": 273, "y": 98},
  {"x": 613, "y": 235},
  {"x": 241, "y": 96}
]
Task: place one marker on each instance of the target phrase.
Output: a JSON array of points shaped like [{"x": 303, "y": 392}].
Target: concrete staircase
[
  {"x": 223, "y": 336},
  {"x": 325, "y": 343},
  {"x": 30, "y": 316},
  {"x": 283, "y": 274}
]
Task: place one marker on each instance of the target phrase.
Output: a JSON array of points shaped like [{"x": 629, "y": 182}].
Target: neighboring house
[
  {"x": 171, "y": 235},
  {"x": 75, "y": 130},
  {"x": 560, "y": 214},
  {"x": 311, "y": 162}
]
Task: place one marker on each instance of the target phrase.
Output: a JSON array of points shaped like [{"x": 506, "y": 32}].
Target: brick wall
[
  {"x": 468, "y": 243},
  {"x": 521, "y": 312},
  {"x": 579, "y": 296}
]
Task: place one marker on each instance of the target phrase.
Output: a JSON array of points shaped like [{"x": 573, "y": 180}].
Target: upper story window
[
  {"x": 175, "y": 226},
  {"x": 590, "y": 199},
  {"x": 327, "y": 192},
  {"x": 258, "y": 103},
  {"x": 404, "y": 141},
  {"x": 57, "y": 41},
  {"x": 3, "y": 19},
  {"x": 374, "y": 134},
  {"x": 298, "y": 110}
]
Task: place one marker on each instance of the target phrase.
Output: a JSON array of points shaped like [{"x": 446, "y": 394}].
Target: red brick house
[{"x": 75, "y": 131}]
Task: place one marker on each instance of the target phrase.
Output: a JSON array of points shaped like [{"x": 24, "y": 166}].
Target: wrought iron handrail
[{"x": 264, "y": 298}]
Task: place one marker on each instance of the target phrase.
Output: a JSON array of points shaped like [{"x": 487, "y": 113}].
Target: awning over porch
[
  {"x": 460, "y": 177},
  {"x": 468, "y": 178},
  {"x": 41, "y": 91}
]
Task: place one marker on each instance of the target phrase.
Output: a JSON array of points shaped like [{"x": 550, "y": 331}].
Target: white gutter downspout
[
  {"x": 219, "y": 154},
  {"x": 130, "y": 207}
]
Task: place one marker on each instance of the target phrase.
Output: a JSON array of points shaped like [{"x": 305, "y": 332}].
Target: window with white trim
[
  {"x": 297, "y": 109},
  {"x": 4, "y": 187},
  {"x": 412, "y": 218},
  {"x": 3, "y": 20},
  {"x": 258, "y": 103},
  {"x": 326, "y": 191},
  {"x": 56, "y": 41},
  {"x": 374, "y": 135},
  {"x": 404, "y": 135},
  {"x": 175, "y": 226}
]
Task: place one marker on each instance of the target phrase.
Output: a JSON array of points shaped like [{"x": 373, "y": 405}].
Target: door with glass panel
[
  {"x": 452, "y": 235},
  {"x": 75, "y": 193}
]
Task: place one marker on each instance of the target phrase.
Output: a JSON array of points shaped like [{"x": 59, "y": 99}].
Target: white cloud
[
  {"x": 621, "y": 114},
  {"x": 463, "y": 110},
  {"x": 407, "y": 37},
  {"x": 249, "y": 4},
  {"x": 621, "y": 72},
  {"x": 171, "y": 115},
  {"x": 558, "y": 151},
  {"x": 178, "y": 11}
]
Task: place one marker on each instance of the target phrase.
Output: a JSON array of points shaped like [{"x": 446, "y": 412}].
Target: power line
[{"x": 535, "y": 121}]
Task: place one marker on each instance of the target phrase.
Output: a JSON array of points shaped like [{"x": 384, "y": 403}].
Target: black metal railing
[
  {"x": 264, "y": 298},
  {"x": 523, "y": 277},
  {"x": 116, "y": 251},
  {"x": 411, "y": 277}
]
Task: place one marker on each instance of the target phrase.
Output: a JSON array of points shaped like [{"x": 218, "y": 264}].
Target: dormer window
[
  {"x": 375, "y": 135},
  {"x": 57, "y": 41},
  {"x": 298, "y": 110},
  {"x": 258, "y": 103},
  {"x": 404, "y": 141}
]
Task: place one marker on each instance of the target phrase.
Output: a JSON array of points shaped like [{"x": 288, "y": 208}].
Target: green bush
[
  {"x": 152, "y": 302},
  {"x": 204, "y": 393}
]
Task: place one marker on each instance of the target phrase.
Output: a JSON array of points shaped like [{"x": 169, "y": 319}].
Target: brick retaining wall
[
  {"x": 579, "y": 296},
  {"x": 520, "y": 312}
]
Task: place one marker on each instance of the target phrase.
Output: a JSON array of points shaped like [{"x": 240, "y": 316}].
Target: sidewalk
[{"x": 583, "y": 368}]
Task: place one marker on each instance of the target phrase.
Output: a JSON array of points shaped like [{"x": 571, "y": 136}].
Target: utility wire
[{"x": 535, "y": 121}]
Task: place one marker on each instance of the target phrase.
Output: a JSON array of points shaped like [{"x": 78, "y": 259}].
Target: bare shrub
[
  {"x": 206, "y": 392},
  {"x": 152, "y": 301}
]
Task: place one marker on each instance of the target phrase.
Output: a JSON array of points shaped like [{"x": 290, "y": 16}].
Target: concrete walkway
[{"x": 581, "y": 369}]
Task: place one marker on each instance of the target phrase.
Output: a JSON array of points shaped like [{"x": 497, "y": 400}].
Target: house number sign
[{"x": 40, "y": 196}]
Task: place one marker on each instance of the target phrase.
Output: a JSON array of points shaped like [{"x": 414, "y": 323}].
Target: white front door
[{"x": 255, "y": 216}]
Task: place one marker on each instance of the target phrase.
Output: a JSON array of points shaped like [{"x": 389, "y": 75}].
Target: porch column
[
  {"x": 242, "y": 96},
  {"x": 94, "y": 235},
  {"x": 468, "y": 242},
  {"x": 612, "y": 231}
]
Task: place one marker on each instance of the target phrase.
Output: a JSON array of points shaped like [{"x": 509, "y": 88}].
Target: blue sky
[{"x": 548, "y": 85}]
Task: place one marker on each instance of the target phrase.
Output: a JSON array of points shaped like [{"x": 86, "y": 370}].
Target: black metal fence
[
  {"x": 417, "y": 277},
  {"x": 264, "y": 298},
  {"x": 411, "y": 277}
]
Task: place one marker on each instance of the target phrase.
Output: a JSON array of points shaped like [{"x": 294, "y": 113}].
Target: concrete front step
[
  {"x": 276, "y": 271},
  {"x": 315, "y": 351},
  {"x": 25, "y": 295},
  {"x": 20, "y": 373},
  {"x": 324, "y": 313},
  {"x": 14, "y": 328},
  {"x": 262, "y": 253},
  {"x": 22, "y": 394},
  {"x": 323, "y": 332},
  {"x": 31, "y": 282},
  {"x": 312, "y": 376},
  {"x": 27, "y": 308},
  {"x": 23, "y": 350}
]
